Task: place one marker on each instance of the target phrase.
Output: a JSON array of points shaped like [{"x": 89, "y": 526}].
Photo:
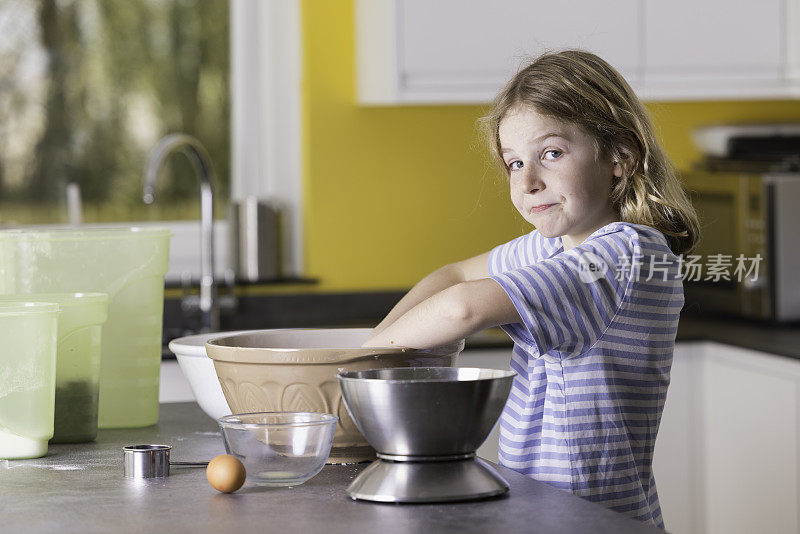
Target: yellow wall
[{"x": 392, "y": 193}]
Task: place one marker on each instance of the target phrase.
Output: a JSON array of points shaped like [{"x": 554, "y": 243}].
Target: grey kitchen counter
[
  {"x": 762, "y": 336},
  {"x": 80, "y": 488}
]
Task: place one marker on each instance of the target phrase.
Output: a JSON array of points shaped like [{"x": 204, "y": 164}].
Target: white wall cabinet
[
  {"x": 719, "y": 48},
  {"x": 450, "y": 51}
]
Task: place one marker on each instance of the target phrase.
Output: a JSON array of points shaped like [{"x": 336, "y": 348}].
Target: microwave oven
[{"x": 750, "y": 224}]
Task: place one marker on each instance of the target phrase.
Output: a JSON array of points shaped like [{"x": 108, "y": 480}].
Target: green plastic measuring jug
[{"x": 128, "y": 264}]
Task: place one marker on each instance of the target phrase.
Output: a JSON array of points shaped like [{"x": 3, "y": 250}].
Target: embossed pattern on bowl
[{"x": 295, "y": 370}]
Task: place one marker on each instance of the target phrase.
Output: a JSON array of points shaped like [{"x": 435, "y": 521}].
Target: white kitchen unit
[
  {"x": 173, "y": 385},
  {"x": 726, "y": 458},
  {"x": 750, "y": 441},
  {"x": 675, "y": 455},
  {"x": 451, "y": 52}
]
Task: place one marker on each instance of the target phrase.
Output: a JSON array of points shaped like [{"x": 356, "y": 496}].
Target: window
[{"x": 87, "y": 87}]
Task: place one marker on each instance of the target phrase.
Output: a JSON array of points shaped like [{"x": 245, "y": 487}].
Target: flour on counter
[{"x": 7, "y": 464}]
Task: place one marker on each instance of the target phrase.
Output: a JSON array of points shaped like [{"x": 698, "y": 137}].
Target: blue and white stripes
[{"x": 593, "y": 354}]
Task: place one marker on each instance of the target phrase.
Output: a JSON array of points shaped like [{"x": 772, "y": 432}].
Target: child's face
[{"x": 559, "y": 182}]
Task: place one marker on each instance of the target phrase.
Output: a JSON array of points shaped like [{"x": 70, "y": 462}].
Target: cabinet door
[
  {"x": 676, "y": 453},
  {"x": 704, "y": 46},
  {"x": 750, "y": 442},
  {"x": 451, "y": 51}
]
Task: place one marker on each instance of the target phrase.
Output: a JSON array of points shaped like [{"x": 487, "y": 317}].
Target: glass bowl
[{"x": 279, "y": 448}]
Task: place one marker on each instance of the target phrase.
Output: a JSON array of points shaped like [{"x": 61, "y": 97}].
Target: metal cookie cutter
[{"x": 150, "y": 461}]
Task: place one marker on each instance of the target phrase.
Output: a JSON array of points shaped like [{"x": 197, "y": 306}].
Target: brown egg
[{"x": 226, "y": 473}]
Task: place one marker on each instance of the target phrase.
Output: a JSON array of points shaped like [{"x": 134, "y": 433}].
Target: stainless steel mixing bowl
[{"x": 420, "y": 412}]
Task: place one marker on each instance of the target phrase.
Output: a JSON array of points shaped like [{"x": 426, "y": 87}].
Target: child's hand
[
  {"x": 373, "y": 343},
  {"x": 368, "y": 342}
]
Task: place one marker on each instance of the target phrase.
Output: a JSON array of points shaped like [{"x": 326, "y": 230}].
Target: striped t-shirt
[{"x": 592, "y": 355}]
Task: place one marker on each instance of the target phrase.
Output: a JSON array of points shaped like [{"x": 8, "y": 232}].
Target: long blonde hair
[{"x": 578, "y": 87}]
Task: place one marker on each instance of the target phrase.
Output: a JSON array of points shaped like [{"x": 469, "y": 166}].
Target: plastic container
[
  {"x": 279, "y": 448},
  {"x": 80, "y": 323},
  {"x": 128, "y": 264},
  {"x": 27, "y": 377}
]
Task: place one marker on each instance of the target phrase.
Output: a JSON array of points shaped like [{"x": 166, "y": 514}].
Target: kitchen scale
[
  {"x": 440, "y": 480},
  {"x": 426, "y": 423}
]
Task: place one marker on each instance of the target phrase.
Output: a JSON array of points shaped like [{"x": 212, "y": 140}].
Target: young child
[{"x": 590, "y": 298}]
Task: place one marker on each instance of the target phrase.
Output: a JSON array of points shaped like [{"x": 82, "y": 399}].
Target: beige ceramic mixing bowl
[{"x": 295, "y": 370}]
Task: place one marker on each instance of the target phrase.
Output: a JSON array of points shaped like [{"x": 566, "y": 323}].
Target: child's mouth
[{"x": 541, "y": 207}]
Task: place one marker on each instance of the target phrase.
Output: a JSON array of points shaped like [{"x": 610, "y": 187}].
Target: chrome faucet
[{"x": 192, "y": 149}]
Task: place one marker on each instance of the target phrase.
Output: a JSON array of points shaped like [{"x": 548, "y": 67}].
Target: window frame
[
  {"x": 266, "y": 78},
  {"x": 266, "y": 69}
]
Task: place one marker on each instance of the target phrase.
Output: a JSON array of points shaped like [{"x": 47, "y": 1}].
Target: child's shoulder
[
  {"x": 629, "y": 248},
  {"x": 527, "y": 249},
  {"x": 623, "y": 243},
  {"x": 611, "y": 242},
  {"x": 629, "y": 238}
]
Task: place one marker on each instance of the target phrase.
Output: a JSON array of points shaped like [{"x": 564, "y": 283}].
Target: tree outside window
[{"x": 87, "y": 87}]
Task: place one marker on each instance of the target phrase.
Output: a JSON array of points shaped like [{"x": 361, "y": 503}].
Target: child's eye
[
  {"x": 552, "y": 154},
  {"x": 515, "y": 165}
]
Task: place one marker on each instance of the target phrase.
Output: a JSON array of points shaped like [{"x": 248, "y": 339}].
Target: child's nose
[{"x": 531, "y": 181}]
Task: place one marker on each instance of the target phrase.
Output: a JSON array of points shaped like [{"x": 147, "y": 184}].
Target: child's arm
[
  {"x": 449, "y": 315},
  {"x": 470, "y": 269}
]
